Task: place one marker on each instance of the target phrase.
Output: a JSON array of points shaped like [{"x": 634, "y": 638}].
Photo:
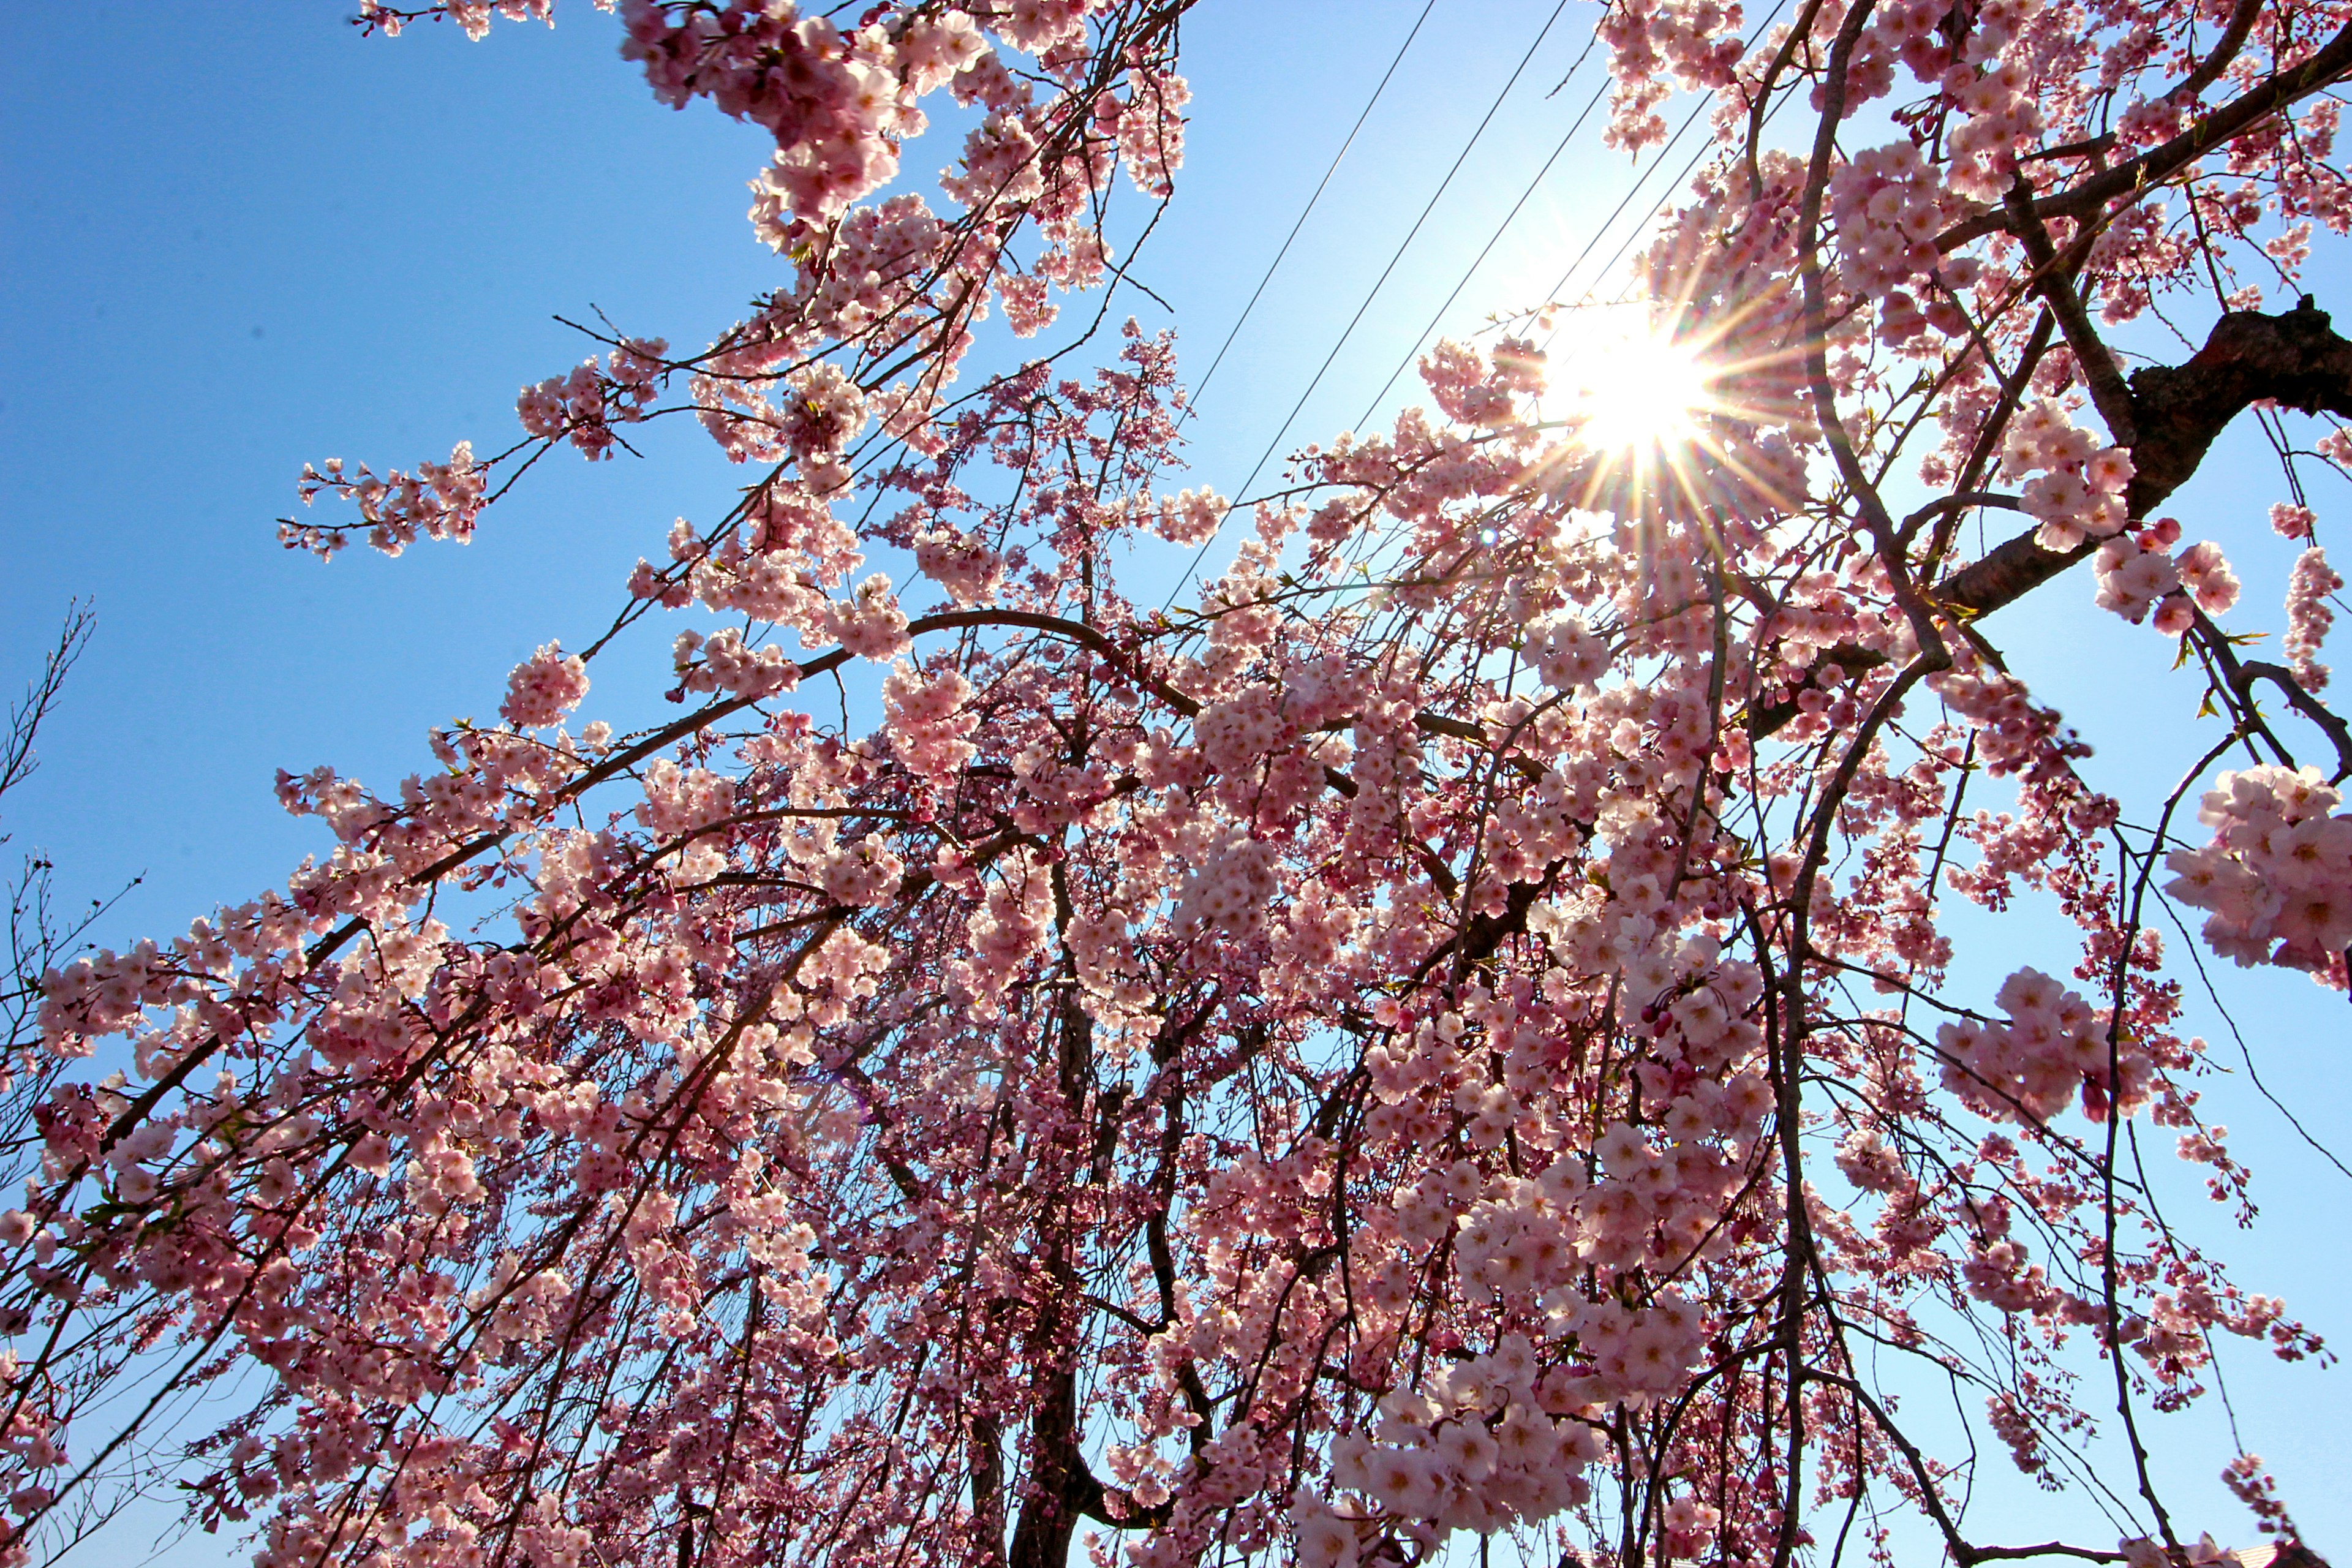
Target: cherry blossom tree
[{"x": 1446, "y": 1027}]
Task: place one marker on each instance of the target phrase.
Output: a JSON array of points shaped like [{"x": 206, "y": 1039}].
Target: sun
[
  {"x": 1659, "y": 405},
  {"x": 1638, "y": 388}
]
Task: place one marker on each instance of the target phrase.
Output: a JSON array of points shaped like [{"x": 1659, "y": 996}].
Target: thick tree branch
[
  {"x": 2225, "y": 49},
  {"x": 2294, "y": 358},
  {"x": 2053, "y": 279},
  {"x": 2161, "y": 163}
]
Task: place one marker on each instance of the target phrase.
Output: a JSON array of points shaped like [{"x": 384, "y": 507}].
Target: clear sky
[{"x": 240, "y": 237}]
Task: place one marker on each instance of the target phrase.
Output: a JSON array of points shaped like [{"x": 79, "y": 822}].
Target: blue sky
[{"x": 240, "y": 237}]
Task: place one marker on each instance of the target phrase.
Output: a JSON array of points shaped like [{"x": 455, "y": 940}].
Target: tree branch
[
  {"x": 2225, "y": 49},
  {"x": 17, "y": 759},
  {"x": 2053, "y": 279},
  {"x": 2294, "y": 358},
  {"x": 2159, "y": 163}
]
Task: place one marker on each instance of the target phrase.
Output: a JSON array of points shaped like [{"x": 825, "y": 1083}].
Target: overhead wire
[
  {"x": 1273, "y": 445},
  {"x": 1194, "y": 401},
  {"x": 1414, "y": 351},
  {"x": 1493, "y": 240},
  {"x": 1640, "y": 227},
  {"x": 1599, "y": 231},
  {"x": 1690, "y": 120},
  {"x": 1575, "y": 265}
]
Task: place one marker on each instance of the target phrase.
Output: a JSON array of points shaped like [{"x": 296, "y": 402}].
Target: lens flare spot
[{"x": 1637, "y": 389}]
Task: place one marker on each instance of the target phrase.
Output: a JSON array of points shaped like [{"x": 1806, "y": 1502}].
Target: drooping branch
[
  {"x": 2235, "y": 678},
  {"x": 2294, "y": 358}
]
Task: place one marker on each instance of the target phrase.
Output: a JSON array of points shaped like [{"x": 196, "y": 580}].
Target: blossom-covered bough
[{"x": 1445, "y": 1031}]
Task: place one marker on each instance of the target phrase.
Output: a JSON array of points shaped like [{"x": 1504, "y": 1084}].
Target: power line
[
  {"x": 1412, "y": 350},
  {"x": 1623, "y": 202},
  {"x": 1606, "y": 224},
  {"x": 1357, "y": 319},
  {"x": 1204, "y": 386},
  {"x": 1692, "y": 119},
  {"x": 1584, "y": 254},
  {"x": 1601, "y": 231},
  {"x": 1488, "y": 249}
]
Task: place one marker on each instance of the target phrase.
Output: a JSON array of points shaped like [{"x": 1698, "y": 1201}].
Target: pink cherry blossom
[{"x": 1452, "y": 1024}]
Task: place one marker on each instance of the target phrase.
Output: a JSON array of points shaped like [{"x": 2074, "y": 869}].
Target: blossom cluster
[
  {"x": 1476, "y": 1447},
  {"x": 2309, "y": 615},
  {"x": 834, "y": 103},
  {"x": 543, "y": 687},
  {"x": 439, "y": 501},
  {"x": 2052, "y": 1045},
  {"x": 1424, "y": 1036},
  {"x": 2277, "y": 876},
  {"x": 2136, "y": 572},
  {"x": 2077, "y": 486},
  {"x": 583, "y": 406}
]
